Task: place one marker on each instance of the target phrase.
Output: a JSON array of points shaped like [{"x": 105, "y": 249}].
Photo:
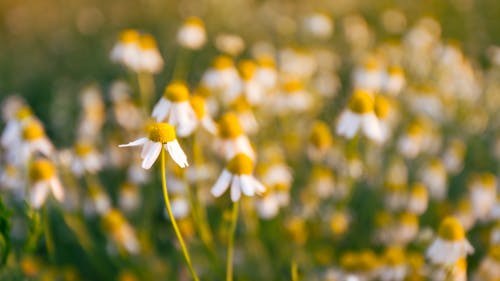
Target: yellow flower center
[
  {"x": 147, "y": 42},
  {"x": 198, "y": 105},
  {"x": 33, "y": 131},
  {"x": 195, "y": 22},
  {"x": 129, "y": 36},
  {"x": 419, "y": 191},
  {"x": 240, "y": 104},
  {"x": 247, "y": 69},
  {"x": 320, "y": 135},
  {"x": 339, "y": 223},
  {"x": 176, "y": 92},
  {"x": 41, "y": 169},
  {"x": 450, "y": 229},
  {"x": 394, "y": 256},
  {"x": 495, "y": 252},
  {"x": 371, "y": 64},
  {"x": 161, "y": 132},
  {"x": 383, "y": 219},
  {"x": 113, "y": 220},
  {"x": 223, "y": 62},
  {"x": 83, "y": 149},
  {"x": 230, "y": 126},
  {"x": 395, "y": 71},
  {"x": 293, "y": 86},
  {"x": 408, "y": 219},
  {"x": 24, "y": 112},
  {"x": 382, "y": 106},
  {"x": 489, "y": 180},
  {"x": 415, "y": 129},
  {"x": 266, "y": 61},
  {"x": 241, "y": 164},
  {"x": 361, "y": 102},
  {"x": 202, "y": 91}
]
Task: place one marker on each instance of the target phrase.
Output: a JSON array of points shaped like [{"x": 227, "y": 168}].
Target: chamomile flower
[
  {"x": 483, "y": 193},
  {"x": 292, "y": 98},
  {"x": 12, "y": 132},
  {"x": 489, "y": 268},
  {"x": 97, "y": 201},
  {"x": 86, "y": 159},
  {"x": 246, "y": 115},
  {"x": 319, "y": 25},
  {"x": 266, "y": 72},
  {"x": 120, "y": 232},
  {"x": 199, "y": 107},
  {"x": 230, "y": 44},
  {"x": 33, "y": 140},
  {"x": 450, "y": 245},
  {"x": 238, "y": 176},
  {"x": 192, "y": 34},
  {"x": 369, "y": 76},
  {"x": 434, "y": 177},
  {"x": 160, "y": 136},
  {"x": 127, "y": 51},
  {"x": 150, "y": 60},
  {"x": 232, "y": 138},
  {"x": 360, "y": 114},
  {"x": 175, "y": 109},
  {"x": 320, "y": 141},
  {"x": 394, "y": 81},
  {"x": 222, "y": 77},
  {"x": 43, "y": 177},
  {"x": 394, "y": 268},
  {"x": 129, "y": 198},
  {"x": 454, "y": 155},
  {"x": 418, "y": 199},
  {"x": 250, "y": 85}
]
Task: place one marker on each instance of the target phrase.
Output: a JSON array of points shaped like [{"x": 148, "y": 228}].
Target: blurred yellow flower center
[
  {"x": 415, "y": 129},
  {"x": 194, "y": 22},
  {"x": 419, "y": 191},
  {"x": 489, "y": 180},
  {"x": 292, "y": 86},
  {"x": 24, "y": 112},
  {"x": 229, "y": 126},
  {"x": 382, "y": 107},
  {"x": 495, "y": 252},
  {"x": 394, "y": 256},
  {"x": 223, "y": 62},
  {"x": 147, "y": 42},
  {"x": 247, "y": 69},
  {"x": 320, "y": 135},
  {"x": 33, "y": 131},
  {"x": 41, "y": 169},
  {"x": 241, "y": 164},
  {"x": 82, "y": 149},
  {"x": 408, "y": 219},
  {"x": 198, "y": 105},
  {"x": 266, "y": 61},
  {"x": 161, "y": 132},
  {"x": 129, "y": 36},
  {"x": 395, "y": 71},
  {"x": 339, "y": 223},
  {"x": 240, "y": 104},
  {"x": 450, "y": 229},
  {"x": 176, "y": 92},
  {"x": 361, "y": 102},
  {"x": 113, "y": 220}
]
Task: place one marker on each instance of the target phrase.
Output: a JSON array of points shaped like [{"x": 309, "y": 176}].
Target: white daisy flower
[
  {"x": 318, "y": 25},
  {"x": 483, "y": 193},
  {"x": 238, "y": 176},
  {"x": 120, "y": 232},
  {"x": 97, "y": 202},
  {"x": 222, "y": 77},
  {"x": 232, "y": 138},
  {"x": 200, "y": 109},
  {"x": 160, "y": 135},
  {"x": 33, "y": 141},
  {"x": 418, "y": 199},
  {"x": 230, "y": 44},
  {"x": 12, "y": 133},
  {"x": 127, "y": 51},
  {"x": 192, "y": 34},
  {"x": 43, "y": 178},
  {"x": 86, "y": 159},
  {"x": 450, "y": 245},
  {"x": 369, "y": 77},
  {"x": 174, "y": 108},
  {"x": 394, "y": 81},
  {"x": 150, "y": 60},
  {"x": 360, "y": 115}
]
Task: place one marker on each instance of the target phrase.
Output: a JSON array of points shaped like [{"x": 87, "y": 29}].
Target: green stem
[
  {"x": 230, "y": 247},
  {"x": 49, "y": 242},
  {"x": 146, "y": 89},
  {"x": 295, "y": 271},
  {"x": 172, "y": 219}
]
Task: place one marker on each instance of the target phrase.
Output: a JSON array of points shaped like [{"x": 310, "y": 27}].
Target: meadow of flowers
[{"x": 249, "y": 140}]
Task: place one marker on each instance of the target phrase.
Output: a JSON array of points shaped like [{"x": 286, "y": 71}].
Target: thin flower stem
[
  {"x": 295, "y": 271},
  {"x": 49, "y": 242},
  {"x": 146, "y": 89},
  {"x": 172, "y": 219},
  {"x": 230, "y": 247}
]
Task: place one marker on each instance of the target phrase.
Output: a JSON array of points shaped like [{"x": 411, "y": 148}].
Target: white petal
[
  {"x": 209, "y": 125},
  {"x": 235, "y": 189},
  {"x": 152, "y": 155},
  {"x": 247, "y": 185},
  {"x": 371, "y": 127},
  {"x": 176, "y": 152},
  {"x": 349, "y": 123},
  {"x": 137, "y": 142},
  {"x": 221, "y": 184},
  {"x": 259, "y": 188},
  {"x": 57, "y": 189},
  {"x": 161, "y": 110},
  {"x": 146, "y": 148},
  {"x": 38, "y": 194}
]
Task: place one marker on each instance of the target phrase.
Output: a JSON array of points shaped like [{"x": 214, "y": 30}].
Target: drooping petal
[
  {"x": 258, "y": 187},
  {"x": 247, "y": 185},
  {"x": 221, "y": 184},
  {"x": 176, "y": 152},
  {"x": 57, "y": 189},
  {"x": 371, "y": 127},
  {"x": 235, "y": 188},
  {"x": 145, "y": 148},
  {"x": 38, "y": 194},
  {"x": 152, "y": 155},
  {"x": 137, "y": 142},
  {"x": 161, "y": 109}
]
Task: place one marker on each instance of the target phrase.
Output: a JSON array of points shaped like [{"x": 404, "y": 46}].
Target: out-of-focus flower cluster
[{"x": 354, "y": 157}]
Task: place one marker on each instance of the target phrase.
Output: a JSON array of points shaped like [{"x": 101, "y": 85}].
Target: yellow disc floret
[
  {"x": 195, "y": 22},
  {"x": 241, "y": 164},
  {"x": 147, "y": 42},
  {"x": 33, "y": 131},
  {"x": 41, "y": 169},
  {"x": 382, "y": 106},
  {"x": 394, "y": 256},
  {"x": 24, "y": 112},
  {"x": 361, "y": 102},
  {"x": 230, "y": 126},
  {"x": 82, "y": 149},
  {"x": 129, "y": 36},
  {"x": 223, "y": 62},
  {"x": 320, "y": 136},
  {"x": 293, "y": 86},
  {"x": 408, "y": 219},
  {"x": 176, "y": 91},
  {"x": 247, "y": 69},
  {"x": 419, "y": 190},
  {"x": 113, "y": 220},
  {"x": 451, "y": 229},
  {"x": 161, "y": 132},
  {"x": 198, "y": 104}
]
